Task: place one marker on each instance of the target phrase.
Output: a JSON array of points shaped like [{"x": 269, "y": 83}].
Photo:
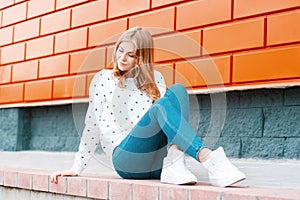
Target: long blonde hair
[{"x": 142, "y": 73}]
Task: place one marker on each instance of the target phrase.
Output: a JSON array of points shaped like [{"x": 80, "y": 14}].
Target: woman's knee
[{"x": 178, "y": 89}]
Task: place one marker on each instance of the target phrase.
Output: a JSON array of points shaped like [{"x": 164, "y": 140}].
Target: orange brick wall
[{"x": 49, "y": 46}]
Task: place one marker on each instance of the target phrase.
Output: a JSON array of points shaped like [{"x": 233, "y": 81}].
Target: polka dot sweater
[{"x": 113, "y": 111}]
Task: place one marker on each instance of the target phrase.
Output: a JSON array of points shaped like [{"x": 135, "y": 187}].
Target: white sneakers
[
  {"x": 174, "y": 170},
  {"x": 220, "y": 170}
]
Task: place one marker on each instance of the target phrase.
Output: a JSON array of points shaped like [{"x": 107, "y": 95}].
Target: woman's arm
[{"x": 90, "y": 135}]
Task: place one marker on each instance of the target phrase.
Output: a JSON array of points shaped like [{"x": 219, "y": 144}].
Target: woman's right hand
[{"x": 54, "y": 176}]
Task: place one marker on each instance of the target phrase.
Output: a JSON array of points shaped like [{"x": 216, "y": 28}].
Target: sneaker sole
[
  {"x": 230, "y": 182},
  {"x": 236, "y": 182}
]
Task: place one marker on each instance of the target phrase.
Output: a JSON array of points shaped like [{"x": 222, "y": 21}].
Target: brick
[
  {"x": 153, "y": 20},
  {"x": 10, "y": 178},
  {"x": 91, "y": 60},
  {"x": 141, "y": 192},
  {"x": 39, "y": 47},
  {"x": 261, "y": 98},
  {"x": 172, "y": 193},
  {"x": 202, "y": 119},
  {"x": 13, "y": 53},
  {"x": 97, "y": 189},
  {"x": 243, "y": 8},
  {"x": 37, "y": 7},
  {"x": 232, "y": 37},
  {"x": 281, "y": 28},
  {"x": 203, "y": 72},
  {"x": 167, "y": 70},
  {"x": 60, "y": 187},
  {"x": 55, "y": 22},
  {"x": 71, "y": 40},
  {"x": 5, "y": 74},
  {"x": 66, "y": 87},
  {"x": 27, "y": 30},
  {"x": 109, "y": 53},
  {"x": 1, "y": 18},
  {"x": 54, "y": 66},
  {"x": 89, "y": 80},
  {"x": 282, "y": 121},
  {"x": 292, "y": 148},
  {"x": 156, "y": 3},
  {"x": 187, "y": 45},
  {"x": 24, "y": 180},
  {"x": 11, "y": 93},
  {"x": 40, "y": 182},
  {"x": 25, "y": 71},
  {"x": 292, "y": 96},
  {"x": 233, "y": 99},
  {"x": 6, "y": 35},
  {"x": 122, "y": 7},
  {"x": 119, "y": 190},
  {"x": 210, "y": 125},
  {"x": 262, "y": 147},
  {"x": 200, "y": 13},
  {"x": 266, "y": 65},
  {"x": 18, "y": 1},
  {"x": 243, "y": 122},
  {"x": 66, "y": 3},
  {"x": 88, "y": 13},
  {"x": 6, "y": 3},
  {"x": 77, "y": 186},
  {"x": 232, "y": 145},
  {"x": 205, "y": 194},
  {"x": 14, "y": 14},
  {"x": 38, "y": 90},
  {"x": 110, "y": 32}
]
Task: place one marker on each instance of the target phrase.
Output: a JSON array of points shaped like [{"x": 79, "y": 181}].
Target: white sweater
[{"x": 112, "y": 113}]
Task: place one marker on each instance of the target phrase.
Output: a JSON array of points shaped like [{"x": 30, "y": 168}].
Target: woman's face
[{"x": 126, "y": 57}]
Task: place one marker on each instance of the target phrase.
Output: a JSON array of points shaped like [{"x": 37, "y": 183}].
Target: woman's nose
[{"x": 123, "y": 56}]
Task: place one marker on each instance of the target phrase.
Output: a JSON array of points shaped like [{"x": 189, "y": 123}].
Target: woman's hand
[{"x": 54, "y": 176}]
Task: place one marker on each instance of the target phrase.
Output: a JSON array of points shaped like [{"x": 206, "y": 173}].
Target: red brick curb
[{"x": 116, "y": 188}]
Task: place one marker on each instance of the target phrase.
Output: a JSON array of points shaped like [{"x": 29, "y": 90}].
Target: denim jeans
[{"x": 140, "y": 155}]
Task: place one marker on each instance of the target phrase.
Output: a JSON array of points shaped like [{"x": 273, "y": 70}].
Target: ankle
[
  {"x": 204, "y": 154},
  {"x": 171, "y": 149}
]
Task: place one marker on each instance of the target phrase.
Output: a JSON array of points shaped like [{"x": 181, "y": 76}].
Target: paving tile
[
  {"x": 97, "y": 188},
  {"x": 25, "y": 180},
  {"x": 77, "y": 186},
  {"x": 10, "y": 178},
  {"x": 40, "y": 182},
  {"x": 119, "y": 190},
  {"x": 141, "y": 192}
]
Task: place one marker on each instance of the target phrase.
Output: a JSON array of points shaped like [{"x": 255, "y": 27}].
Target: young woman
[{"x": 143, "y": 126}]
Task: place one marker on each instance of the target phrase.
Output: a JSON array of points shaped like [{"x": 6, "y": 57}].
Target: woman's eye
[
  {"x": 131, "y": 55},
  {"x": 120, "y": 50}
]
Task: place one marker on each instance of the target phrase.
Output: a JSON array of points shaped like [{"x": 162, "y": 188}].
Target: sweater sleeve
[
  {"x": 90, "y": 138},
  {"x": 160, "y": 82}
]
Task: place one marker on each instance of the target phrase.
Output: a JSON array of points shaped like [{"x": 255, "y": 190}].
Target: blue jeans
[{"x": 140, "y": 155}]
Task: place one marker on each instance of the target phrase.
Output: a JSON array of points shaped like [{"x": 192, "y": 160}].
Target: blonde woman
[{"x": 143, "y": 126}]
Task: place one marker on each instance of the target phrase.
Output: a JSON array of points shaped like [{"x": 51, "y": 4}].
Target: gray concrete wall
[{"x": 261, "y": 123}]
